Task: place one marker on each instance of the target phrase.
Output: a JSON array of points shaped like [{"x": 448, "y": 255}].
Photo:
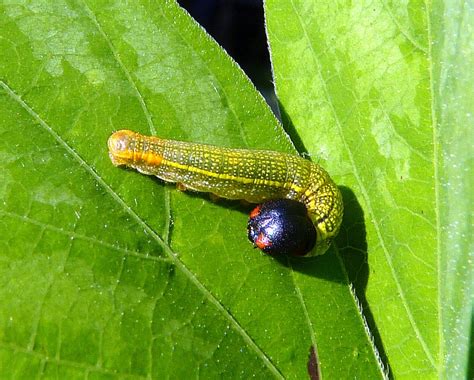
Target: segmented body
[{"x": 252, "y": 175}]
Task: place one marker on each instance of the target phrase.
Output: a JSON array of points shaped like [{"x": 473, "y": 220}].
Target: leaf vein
[
  {"x": 127, "y": 73},
  {"x": 366, "y": 199},
  {"x": 172, "y": 255}
]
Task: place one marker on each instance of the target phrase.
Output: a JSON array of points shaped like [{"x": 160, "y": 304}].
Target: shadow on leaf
[{"x": 352, "y": 244}]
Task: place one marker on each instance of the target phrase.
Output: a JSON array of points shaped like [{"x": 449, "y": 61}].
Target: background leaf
[
  {"x": 382, "y": 94},
  {"x": 107, "y": 272}
]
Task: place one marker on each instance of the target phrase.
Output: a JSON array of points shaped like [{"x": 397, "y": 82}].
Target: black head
[{"x": 282, "y": 226}]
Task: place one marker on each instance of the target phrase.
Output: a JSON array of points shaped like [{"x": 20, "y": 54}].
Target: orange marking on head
[
  {"x": 255, "y": 212},
  {"x": 262, "y": 241}
]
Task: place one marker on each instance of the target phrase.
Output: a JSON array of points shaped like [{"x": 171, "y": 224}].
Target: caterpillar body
[{"x": 252, "y": 175}]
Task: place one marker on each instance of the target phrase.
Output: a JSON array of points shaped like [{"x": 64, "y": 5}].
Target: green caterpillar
[{"x": 253, "y": 175}]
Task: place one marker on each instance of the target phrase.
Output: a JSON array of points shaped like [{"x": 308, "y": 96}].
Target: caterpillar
[{"x": 252, "y": 175}]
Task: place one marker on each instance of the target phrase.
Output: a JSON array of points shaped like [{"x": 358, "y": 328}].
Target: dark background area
[{"x": 238, "y": 26}]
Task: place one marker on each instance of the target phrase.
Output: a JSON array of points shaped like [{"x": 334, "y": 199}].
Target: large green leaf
[
  {"x": 382, "y": 94},
  {"x": 107, "y": 272}
]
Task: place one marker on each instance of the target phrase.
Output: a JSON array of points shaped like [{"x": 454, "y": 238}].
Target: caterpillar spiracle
[{"x": 252, "y": 175}]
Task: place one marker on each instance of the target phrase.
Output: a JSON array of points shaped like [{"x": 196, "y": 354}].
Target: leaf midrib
[{"x": 434, "y": 123}]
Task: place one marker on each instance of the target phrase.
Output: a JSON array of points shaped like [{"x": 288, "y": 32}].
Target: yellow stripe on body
[{"x": 243, "y": 180}]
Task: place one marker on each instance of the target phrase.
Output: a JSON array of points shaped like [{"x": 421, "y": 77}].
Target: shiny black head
[{"x": 282, "y": 226}]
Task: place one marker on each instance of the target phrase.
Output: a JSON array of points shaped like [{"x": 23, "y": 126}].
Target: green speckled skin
[{"x": 253, "y": 175}]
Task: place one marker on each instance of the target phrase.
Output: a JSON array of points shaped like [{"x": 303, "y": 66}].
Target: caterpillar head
[{"x": 282, "y": 226}]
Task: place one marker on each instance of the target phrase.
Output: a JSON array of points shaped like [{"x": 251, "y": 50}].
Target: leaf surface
[
  {"x": 108, "y": 272},
  {"x": 381, "y": 94}
]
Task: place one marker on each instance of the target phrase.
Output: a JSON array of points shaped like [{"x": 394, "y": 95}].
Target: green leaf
[
  {"x": 108, "y": 273},
  {"x": 383, "y": 94},
  {"x": 105, "y": 272}
]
